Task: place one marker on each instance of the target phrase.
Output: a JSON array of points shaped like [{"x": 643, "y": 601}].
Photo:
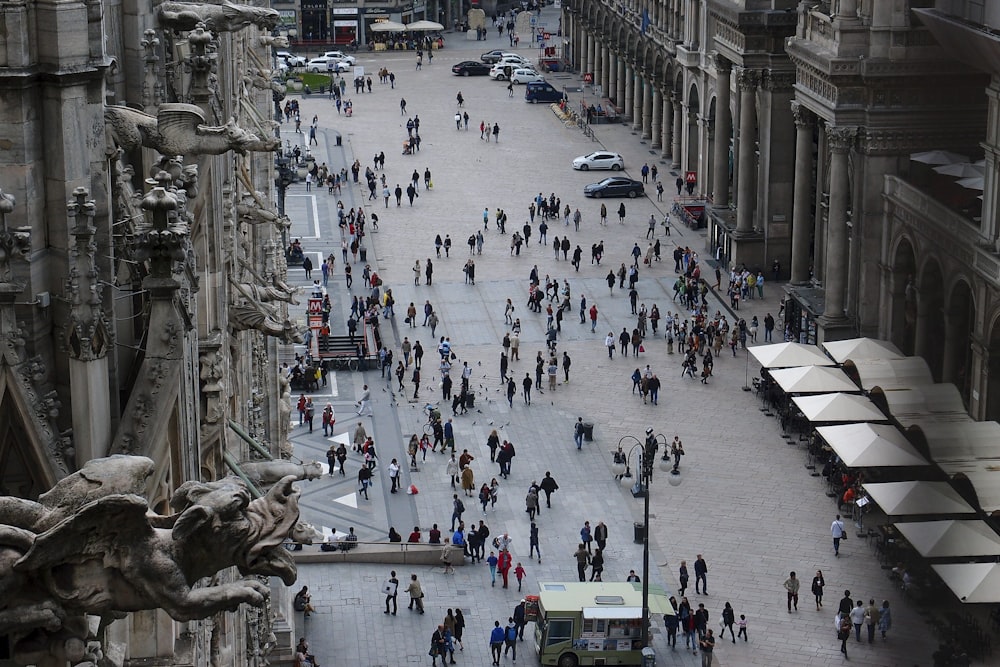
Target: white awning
[
  {"x": 838, "y": 408},
  {"x": 951, "y": 539},
  {"x": 972, "y": 582},
  {"x": 862, "y": 348},
  {"x": 871, "y": 446},
  {"x": 612, "y": 612},
  {"x": 891, "y": 373},
  {"x": 905, "y": 498},
  {"x": 813, "y": 380},
  {"x": 787, "y": 355},
  {"x": 938, "y": 157},
  {"x": 388, "y": 26},
  {"x": 425, "y": 25},
  {"x": 926, "y": 403}
]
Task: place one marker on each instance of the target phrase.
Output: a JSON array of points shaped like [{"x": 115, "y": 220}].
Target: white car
[
  {"x": 525, "y": 75},
  {"x": 513, "y": 61},
  {"x": 599, "y": 160},
  {"x": 325, "y": 64},
  {"x": 291, "y": 59},
  {"x": 340, "y": 55},
  {"x": 499, "y": 71}
]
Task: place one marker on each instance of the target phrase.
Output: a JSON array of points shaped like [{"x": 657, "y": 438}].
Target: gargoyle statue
[
  {"x": 253, "y": 210},
  {"x": 225, "y": 17},
  {"x": 255, "y": 314},
  {"x": 277, "y": 41},
  {"x": 92, "y": 546},
  {"x": 266, "y": 473},
  {"x": 179, "y": 129}
]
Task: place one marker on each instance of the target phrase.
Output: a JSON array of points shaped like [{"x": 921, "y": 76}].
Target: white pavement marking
[
  {"x": 351, "y": 500},
  {"x": 315, "y": 215},
  {"x": 340, "y": 439}
]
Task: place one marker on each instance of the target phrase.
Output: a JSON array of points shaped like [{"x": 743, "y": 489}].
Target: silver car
[{"x": 599, "y": 160}]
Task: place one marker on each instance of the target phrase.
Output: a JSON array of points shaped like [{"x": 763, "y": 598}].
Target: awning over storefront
[
  {"x": 787, "y": 355},
  {"x": 910, "y": 498},
  {"x": 387, "y": 26},
  {"x": 813, "y": 380},
  {"x": 890, "y": 373},
  {"x": 925, "y": 404},
  {"x": 860, "y": 349},
  {"x": 827, "y": 408},
  {"x": 871, "y": 446},
  {"x": 972, "y": 582},
  {"x": 424, "y": 26},
  {"x": 951, "y": 539}
]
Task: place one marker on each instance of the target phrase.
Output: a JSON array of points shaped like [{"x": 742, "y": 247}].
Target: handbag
[
  {"x": 406, "y": 320},
  {"x": 642, "y": 349}
]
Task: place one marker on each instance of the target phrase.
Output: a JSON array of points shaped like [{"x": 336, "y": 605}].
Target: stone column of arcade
[
  {"x": 840, "y": 141},
  {"x": 620, "y": 96},
  {"x": 723, "y": 131},
  {"x": 647, "y": 110},
  {"x": 802, "y": 224},
  {"x": 746, "y": 186},
  {"x": 629, "y": 85},
  {"x": 637, "y": 90},
  {"x": 675, "y": 151},
  {"x": 668, "y": 125},
  {"x": 657, "y": 127},
  {"x": 613, "y": 64}
]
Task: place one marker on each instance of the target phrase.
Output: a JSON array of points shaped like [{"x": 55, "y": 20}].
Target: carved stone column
[
  {"x": 840, "y": 140},
  {"x": 629, "y": 85},
  {"x": 647, "y": 110},
  {"x": 638, "y": 90},
  {"x": 591, "y": 46},
  {"x": 723, "y": 132},
  {"x": 607, "y": 66},
  {"x": 748, "y": 81},
  {"x": 620, "y": 93},
  {"x": 657, "y": 127},
  {"x": 87, "y": 337},
  {"x": 848, "y": 9},
  {"x": 668, "y": 125},
  {"x": 597, "y": 68},
  {"x": 613, "y": 65},
  {"x": 802, "y": 225},
  {"x": 675, "y": 151}
]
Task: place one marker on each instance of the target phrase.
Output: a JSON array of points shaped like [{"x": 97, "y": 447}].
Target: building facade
[
  {"x": 142, "y": 274},
  {"x": 807, "y": 126}
]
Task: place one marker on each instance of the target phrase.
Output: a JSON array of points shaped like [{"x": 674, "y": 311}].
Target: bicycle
[
  {"x": 433, "y": 415},
  {"x": 344, "y": 363}
]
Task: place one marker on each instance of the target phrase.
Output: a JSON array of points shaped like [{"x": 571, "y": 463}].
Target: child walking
[
  {"x": 519, "y": 573},
  {"x": 743, "y": 627}
]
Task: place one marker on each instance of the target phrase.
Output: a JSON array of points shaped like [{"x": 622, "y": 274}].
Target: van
[{"x": 542, "y": 91}]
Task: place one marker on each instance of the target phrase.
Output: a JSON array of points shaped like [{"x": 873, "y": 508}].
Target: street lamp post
[{"x": 647, "y": 456}]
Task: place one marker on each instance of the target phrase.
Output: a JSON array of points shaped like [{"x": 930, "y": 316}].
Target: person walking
[
  {"x": 533, "y": 543},
  {"x": 394, "y": 475},
  {"x": 670, "y": 623},
  {"x": 510, "y": 637},
  {"x": 439, "y": 646},
  {"x": 496, "y": 642},
  {"x": 526, "y": 384},
  {"x": 531, "y": 503},
  {"x": 792, "y": 588},
  {"x": 504, "y": 562},
  {"x": 601, "y": 535},
  {"x": 582, "y": 556},
  {"x": 597, "y": 565},
  {"x": 728, "y": 620},
  {"x": 838, "y": 533},
  {"x": 884, "y": 618},
  {"x": 683, "y": 577},
  {"x": 492, "y": 562},
  {"x": 843, "y": 624},
  {"x": 817, "y": 588},
  {"x": 416, "y": 594},
  {"x": 857, "y": 617},
  {"x": 391, "y": 589},
  {"x": 578, "y": 433},
  {"x": 707, "y": 644},
  {"x": 549, "y": 486},
  {"x": 365, "y": 401},
  {"x": 871, "y": 619},
  {"x": 700, "y": 575},
  {"x": 586, "y": 535}
]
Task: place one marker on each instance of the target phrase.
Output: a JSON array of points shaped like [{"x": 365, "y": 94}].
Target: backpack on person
[{"x": 460, "y": 505}]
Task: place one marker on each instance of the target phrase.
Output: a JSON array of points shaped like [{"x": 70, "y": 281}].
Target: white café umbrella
[
  {"x": 424, "y": 26},
  {"x": 938, "y": 157},
  {"x": 971, "y": 582},
  {"x": 813, "y": 380},
  {"x": 838, "y": 408},
  {"x": 871, "y": 446},
  {"x": 388, "y": 26},
  {"x": 961, "y": 169},
  {"x": 862, "y": 348},
  {"x": 905, "y": 498},
  {"x": 951, "y": 539},
  {"x": 787, "y": 355},
  {"x": 972, "y": 183}
]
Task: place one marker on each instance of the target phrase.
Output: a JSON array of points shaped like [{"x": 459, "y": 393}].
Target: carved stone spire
[
  {"x": 162, "y": 239},
  {"x": 152, "y": 88},
  {"x": 88, "y": 336},
  {"x": 201, "y": 64}
]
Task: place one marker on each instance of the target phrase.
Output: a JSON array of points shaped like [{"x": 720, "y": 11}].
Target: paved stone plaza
[{"x": 747, "y": 502}]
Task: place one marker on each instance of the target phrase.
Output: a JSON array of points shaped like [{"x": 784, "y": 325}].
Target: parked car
[
  {"x": 525, "y": 75},
  {"x": 491, "y": 57},
  {"x": 470, "y": 68},
  {"x": 502, "y": 71},
  {"x": 291, "y": 59},
  {"x": 327, "y": 64},
  {"x": 599, "y": 160},
  {"x": 513, "y": 60},
  {"x": 614, "y": 186},
  {"x": 340, "y": 55},
  {"x": 542, "y": 91}
]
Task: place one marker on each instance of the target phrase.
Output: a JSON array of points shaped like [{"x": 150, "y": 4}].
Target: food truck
[{"x": 591, "y": 623}]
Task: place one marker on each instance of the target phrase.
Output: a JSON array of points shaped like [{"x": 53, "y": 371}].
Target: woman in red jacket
[{"x": 503, "y": 565}]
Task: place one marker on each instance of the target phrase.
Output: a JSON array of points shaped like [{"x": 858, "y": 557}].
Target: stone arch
[
  {"x": 992, "y": 400},
  {"x": 960, "y": 320},
  {"x": 902, "y": 283},
  {"x": 691, "y": 127},
  {"x": 930, "y": 326}
]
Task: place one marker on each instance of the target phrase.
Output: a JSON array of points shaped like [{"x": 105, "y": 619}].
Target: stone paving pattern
[{"x": 746, "y": 502}]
